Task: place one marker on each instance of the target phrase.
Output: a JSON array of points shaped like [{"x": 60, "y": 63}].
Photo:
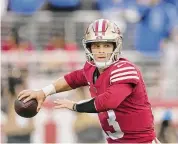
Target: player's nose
[{"x": 101, "y": 49}]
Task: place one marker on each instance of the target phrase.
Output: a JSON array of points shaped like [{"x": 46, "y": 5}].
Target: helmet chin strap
[{"x": 103, "y": 65}]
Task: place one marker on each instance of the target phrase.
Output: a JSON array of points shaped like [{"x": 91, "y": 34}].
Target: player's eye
[
  {"x": 96, "y": 46},
  {"x": 107, "y": 45}
]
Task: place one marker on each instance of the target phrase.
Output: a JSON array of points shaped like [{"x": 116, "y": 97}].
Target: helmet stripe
[
  {"x": 96, "y": 28},
  {"x": 100, "y": 25},
  {"x": 104, "y": 27}
]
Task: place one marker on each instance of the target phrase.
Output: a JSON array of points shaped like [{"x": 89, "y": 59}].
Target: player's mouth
[{"x": 102, "y": 57}]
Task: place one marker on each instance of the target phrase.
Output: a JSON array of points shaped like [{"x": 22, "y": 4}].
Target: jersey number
[{"x": 112, "y": 122}]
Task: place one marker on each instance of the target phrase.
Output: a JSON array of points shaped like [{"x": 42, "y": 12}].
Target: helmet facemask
[
  {"x": 102, "y": 30},
  {"x": 113, "y": 58}
]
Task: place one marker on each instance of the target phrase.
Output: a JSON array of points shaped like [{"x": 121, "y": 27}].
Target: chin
[{"x": 102, "y": 60}]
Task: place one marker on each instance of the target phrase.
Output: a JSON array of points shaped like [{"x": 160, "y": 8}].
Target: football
[{"x": 26, "y": 110}]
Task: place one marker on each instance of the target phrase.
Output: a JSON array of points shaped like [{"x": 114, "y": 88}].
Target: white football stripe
[
  {"x": 122, "y": 69},
  {"x": 100, "y": 25},
  {"x": 124, "y": 78},
  {"x": 120, "y": 62},
  {"x": 123, "y": 74}
]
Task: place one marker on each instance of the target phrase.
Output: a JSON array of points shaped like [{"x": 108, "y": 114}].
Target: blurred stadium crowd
[{"x": 41, "y": 40}]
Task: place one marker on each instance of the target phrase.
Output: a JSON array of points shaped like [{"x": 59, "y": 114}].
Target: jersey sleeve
[
  {"x": 113, "y": 96},
  {"x": 76, "y": 79},
  {"x": 124, "y": 73}
]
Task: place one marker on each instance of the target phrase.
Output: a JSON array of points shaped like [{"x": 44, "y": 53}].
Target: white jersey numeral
[{"x": 112, "y": 122}]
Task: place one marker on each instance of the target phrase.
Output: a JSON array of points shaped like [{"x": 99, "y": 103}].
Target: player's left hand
[{"x": 64, "y": 103}]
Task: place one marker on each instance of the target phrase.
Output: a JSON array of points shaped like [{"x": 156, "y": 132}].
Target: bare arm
[
  {"x": 68, "y": 82},
  {"x": 61, "y": 85}
]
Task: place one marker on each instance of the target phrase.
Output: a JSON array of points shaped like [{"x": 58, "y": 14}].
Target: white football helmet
[{"x": 102, "y": 30}]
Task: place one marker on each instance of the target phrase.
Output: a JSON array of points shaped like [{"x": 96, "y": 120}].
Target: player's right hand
[{"x": 32, "y": 94}]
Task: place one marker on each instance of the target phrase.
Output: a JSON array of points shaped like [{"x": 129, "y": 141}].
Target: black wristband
[{"x": 86, "y": 107}]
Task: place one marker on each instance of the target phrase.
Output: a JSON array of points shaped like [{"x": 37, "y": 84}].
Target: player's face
[{"x": 102, "y": 51}]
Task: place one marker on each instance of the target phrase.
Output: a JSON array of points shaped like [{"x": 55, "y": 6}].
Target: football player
[{"x": 118, "y": 93}]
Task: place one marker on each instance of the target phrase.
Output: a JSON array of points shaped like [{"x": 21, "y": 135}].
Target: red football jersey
[{"x": 123, "y": 119}]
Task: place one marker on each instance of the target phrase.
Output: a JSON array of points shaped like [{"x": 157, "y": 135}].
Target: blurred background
[{"x": 41, "y": 41}]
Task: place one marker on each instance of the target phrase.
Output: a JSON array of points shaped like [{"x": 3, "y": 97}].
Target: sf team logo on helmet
[{"x": 102, "y": 30}]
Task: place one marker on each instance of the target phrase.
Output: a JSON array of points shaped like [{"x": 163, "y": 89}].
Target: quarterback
[{"x": 118, "y": 93}]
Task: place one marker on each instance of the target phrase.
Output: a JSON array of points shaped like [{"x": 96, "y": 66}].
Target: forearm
[
  {"x": 69, "y": 81},
  {"x": 61, "y": 85},
  {"x": 85, "y": 107},
  {"x": 106, "y": 101}
]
